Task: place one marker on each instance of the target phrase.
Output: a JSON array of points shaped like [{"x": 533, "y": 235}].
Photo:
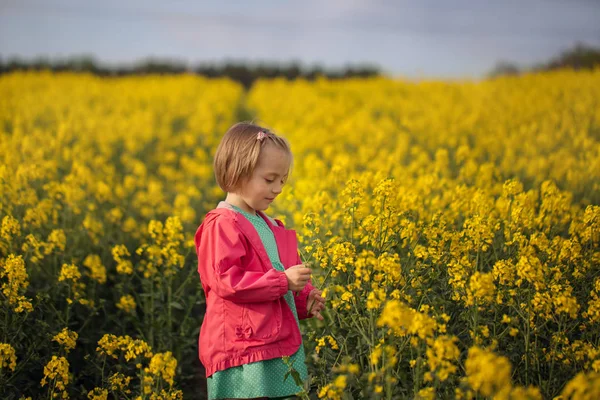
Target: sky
[{"x": 426, "y": 38}]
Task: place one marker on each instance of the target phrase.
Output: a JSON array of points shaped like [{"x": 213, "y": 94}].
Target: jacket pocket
[{"x": 262, "y": 320}]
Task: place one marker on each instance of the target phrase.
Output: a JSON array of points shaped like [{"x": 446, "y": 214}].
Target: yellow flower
[
  {"x": 127, "y": 304},
  {"x": 487, "y": 373},
  {"x": 163, "y": 253},
  {"x": 529, "y": 268},
  {"x": 167, "y": 395},
  {"x": 346, "y": 296},
  {"x": 67, "y": 339},
  {"x": 94, "y": 227},
  {"x": 584, "y": 386},
  {"x": 13, "y": 269},
  {"x": 485, "y": 331},
  {"x": 353, "y": 369},
  {"x": 8, "y": 358},
  {"x": 34, "y": 244},
  {"x": 98, "y": 394},
  {"x": 97, "y": 271},
  {"x": 504, "y": 272},
  {"x": 124, "y": 266},
  {"x": 56, "y": 373},
  {"x": 119, "y": 382},
  {"x": 529, "y": 393},
  {"x": 69, "y": 272},
  {"x": 375, "y": 298},
  {"x": 9, "y": 229},
  {"x": 147, "y": 384},
  {"x": 441, "y": 356},
  {"x": 404, "y": 320},
  {"x": 56, "y": 240},
  {"x": 321, "y": 343},
  {"x": 340, "y": 382},
  {"x": 398, "y": 194},
  {"x": 131, "y": 348},
  {"x": 376, "y": 355},
  {"x": 426, "y": 394},
  {"x": 329, "y": 391},
  {"x": 332, "y": 342},
  {"x": 481, "y": 289},
  {"x": 341, "y": 255},
  {"x": 163, "y": 365},
  {"x": 593, "y": 311}
]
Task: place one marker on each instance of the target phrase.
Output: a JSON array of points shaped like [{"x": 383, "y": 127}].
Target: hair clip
[{"x": 261, "y": 135}]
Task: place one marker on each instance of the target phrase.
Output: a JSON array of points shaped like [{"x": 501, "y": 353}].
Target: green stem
[
  {"x": 553, "y": 361},
  {"x": 169, "y": 313},
  {"x": 151, "y": 333},
  {"x": 527, "y": 334},
  {"x": 103, "y": 365},
  {"x": 320, "y": 286},
  {"x": 380, "y": 238},
  {"x": 6, "y": 325},
  {"x": 417, "y": 381},
  {"x": 361, "y": 331},
  {"x": 185, "y": 282},
  {"x": 68, "y": 309}
]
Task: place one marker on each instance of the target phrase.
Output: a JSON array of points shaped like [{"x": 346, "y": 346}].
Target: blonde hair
[{"x": 238, "y": 152}]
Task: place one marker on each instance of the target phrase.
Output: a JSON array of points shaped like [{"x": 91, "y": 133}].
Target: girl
[{"x": 249, "y": 267}]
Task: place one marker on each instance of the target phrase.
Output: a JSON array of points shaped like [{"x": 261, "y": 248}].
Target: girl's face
[{"x": 267, "y": 180}]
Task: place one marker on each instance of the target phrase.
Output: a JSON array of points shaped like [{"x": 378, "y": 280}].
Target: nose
[{"x": 277, "y": 188}]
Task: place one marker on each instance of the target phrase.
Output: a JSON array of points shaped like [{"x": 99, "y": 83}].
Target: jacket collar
[
  {"x": 270, "y": 221},
  {"x": 285, "y": 238},
  {"x": 250, "y": 232}
]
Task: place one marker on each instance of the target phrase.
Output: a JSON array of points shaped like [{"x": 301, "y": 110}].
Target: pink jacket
[{"x": 247, "y": 319}]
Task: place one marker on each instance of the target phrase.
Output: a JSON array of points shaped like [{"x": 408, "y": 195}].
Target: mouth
[{"x": 270, "y": 199}]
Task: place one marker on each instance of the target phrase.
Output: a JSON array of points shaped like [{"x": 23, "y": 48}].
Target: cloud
[{"x": 433, "y": 37}]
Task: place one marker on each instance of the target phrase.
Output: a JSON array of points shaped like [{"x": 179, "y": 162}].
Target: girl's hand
[
  {"x": 315, "y": 304},
  {"x": 297, "y": 277}
]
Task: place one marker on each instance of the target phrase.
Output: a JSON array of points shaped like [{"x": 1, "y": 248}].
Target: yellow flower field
[{"x": 455, "y": 228}]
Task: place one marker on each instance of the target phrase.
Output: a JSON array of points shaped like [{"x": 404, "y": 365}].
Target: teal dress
[{"x": 262, "y": 378}]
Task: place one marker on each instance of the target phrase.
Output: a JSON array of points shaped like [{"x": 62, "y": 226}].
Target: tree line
[
  {"x": 245, "y": 73},
  {"x": 580, "y": 56}
]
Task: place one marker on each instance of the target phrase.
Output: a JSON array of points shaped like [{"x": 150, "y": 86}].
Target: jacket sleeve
[
  {"x": 220, "y": 252},
  {"x": 301, "y": 298}
]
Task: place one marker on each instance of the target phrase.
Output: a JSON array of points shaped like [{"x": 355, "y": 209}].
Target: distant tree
[
  {"x": 155, "y": 66},
  {"x": 581, "y": 56},
  {"x": 315, "y": 72},
  {"x": 243, "y": 72},
  {"x": 504, "y": 68},
  {"x": 82, "y": 64}
]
